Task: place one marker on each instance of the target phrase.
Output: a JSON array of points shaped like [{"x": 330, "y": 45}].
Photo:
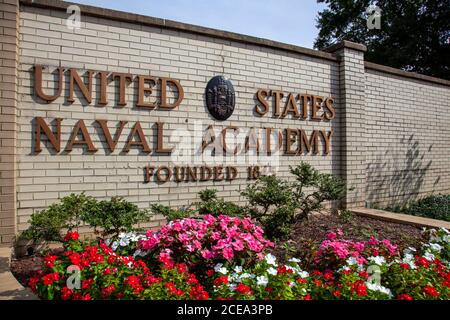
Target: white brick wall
[
  {"x": 122, "y": 47},
  {"x": 408, "y": 138}
]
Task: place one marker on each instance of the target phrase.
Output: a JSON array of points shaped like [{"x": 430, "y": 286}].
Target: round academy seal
[{"x": 220, "y": 97}]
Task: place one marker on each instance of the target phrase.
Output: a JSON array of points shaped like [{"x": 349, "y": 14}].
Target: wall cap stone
[
  {"x": 402, "y": 73},
  {"x": 346, "y": 44}
]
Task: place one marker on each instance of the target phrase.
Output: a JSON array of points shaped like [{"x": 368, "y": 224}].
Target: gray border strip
[
  {"x": 179, "y": 26},
  {"x": 407, "y": 74},
  {"x": 401, "y": 218}
]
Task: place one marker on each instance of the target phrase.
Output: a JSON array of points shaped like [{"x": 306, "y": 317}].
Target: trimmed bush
[{"x": 434, "y": 207}]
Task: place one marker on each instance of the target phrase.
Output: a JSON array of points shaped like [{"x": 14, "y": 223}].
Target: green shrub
[
  {"x": 111, "y": 217},
  {"x": 170, "y": 213},
  {"x": 277, "y": 204},
  {"x": 324, "y": 186},
  {"x": 346, "y": 216},
  {"x": 211, "y": 204},
  {"x": 49, "y": 224},
  {"x": 433, "y": 206}
]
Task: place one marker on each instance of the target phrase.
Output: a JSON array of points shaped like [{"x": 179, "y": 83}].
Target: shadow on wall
[{"x": 395, "y": 178}]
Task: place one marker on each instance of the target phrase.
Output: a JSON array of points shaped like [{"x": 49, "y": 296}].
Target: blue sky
[{"x": 289, "y": 21}]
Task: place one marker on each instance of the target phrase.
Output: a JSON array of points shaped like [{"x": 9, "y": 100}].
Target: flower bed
[{"x": 229, "y": 258}]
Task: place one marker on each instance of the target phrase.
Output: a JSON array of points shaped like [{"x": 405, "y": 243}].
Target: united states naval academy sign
[{"x": 220, "y": 100}]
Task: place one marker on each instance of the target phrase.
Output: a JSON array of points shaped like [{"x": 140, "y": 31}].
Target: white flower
[
  {"x": 435, "y": 247},
  {"x": 303, "y": 274},
  {"x": 294, "y": 260},
  {"x": 409, "y": 250},
  {"x": 220, "y": 268},
  {"x": 247, "y": 275},
  {"x": 352, "y": 261},
  {"x": 380, "y": 288},
  {"x": 262, "y": 281},
  {"x": 114, "y": 245},
  {"x": 124, "y": 242},
  {"x": 140, "y": 253},
  {"x": 271, "y": 259},
  {"x": 238, "y": 269},
  {"x": 429, "y": 256},
  {"x": 379, "y": 260},
  {"x": 290, "y": 268},
  {"x": 272, "y": 271}
]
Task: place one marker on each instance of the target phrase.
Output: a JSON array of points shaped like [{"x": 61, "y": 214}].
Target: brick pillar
[
  {"x": 9, "y": 43},
  {"x": 352, "y": 100}
]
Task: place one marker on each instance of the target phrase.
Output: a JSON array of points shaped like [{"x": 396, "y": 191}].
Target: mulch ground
[{"x": 307, "y": 235}]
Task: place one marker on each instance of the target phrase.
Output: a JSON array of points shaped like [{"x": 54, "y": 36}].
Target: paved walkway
[
  {"x": 10, "y": 288},
  {"x": 401, "y": 218}
]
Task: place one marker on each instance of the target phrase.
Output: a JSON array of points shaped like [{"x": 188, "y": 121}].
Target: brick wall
[
  {"x": 408, "y": 138},
  {"x": 390, "y": 141}
]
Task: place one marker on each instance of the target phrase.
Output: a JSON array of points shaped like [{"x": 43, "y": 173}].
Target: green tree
[{"x": 414, "y": 34}]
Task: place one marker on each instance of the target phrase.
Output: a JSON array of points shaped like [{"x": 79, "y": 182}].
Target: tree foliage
[{"x": 414, "y": 34}]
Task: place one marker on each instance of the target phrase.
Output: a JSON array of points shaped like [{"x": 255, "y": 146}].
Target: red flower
[
  {"x": 268, "y": 289},
  {"x": 107, "y": 271},
  {"x": 98, "y": 258},
  {"x": 307, "y": 297},
  {"x": 135, "y": 283},
  {"x": 220, "y": 280},
  {"x": 181, "y": 268},
  {"x": 405, "y": 266},
  {"x": 404, "y": 296},
  {"x": 71, "y": 236},
  {"x": 421, "y": 261},
  {"x": 86, "y": 284},
  {"x": 301, "y": 280},
  {"x": 317, "y": 283},
  {"x": 173, "y": 290},
  {"x": 431, "y": 291},
  {"x": 108, "y": 291},
  {"x": 33, "y": 281},
  {"x": 242, "y": 288},
  {"x": 86, "y": 297},
  {"x": 363, "y": 274},
  {"x": 75, "y": 259},
  {"x": 66, "y": 293},
  {"x": 210, "y": 272},
  {"x": 49, "y": 261},
  {"x": 336, "y": 293},
  {"x": 359, "y": 288},
  {"x": 50, "y": 278},
  {"x": 283, "y": 269}
]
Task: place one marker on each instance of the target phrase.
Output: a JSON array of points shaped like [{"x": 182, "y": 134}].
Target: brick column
[
  {"x": 9, "y": 44},
  {"x": 352, "y": 125}
]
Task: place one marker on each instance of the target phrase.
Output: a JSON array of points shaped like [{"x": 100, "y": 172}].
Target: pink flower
[
  {"x": 206, "y": 254},
  {"x": 177, "y": 226},
  {"x": 228, "y": 253},
  {"x": 238, "y": 245},
  {"x": 331, "y": 236}
]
